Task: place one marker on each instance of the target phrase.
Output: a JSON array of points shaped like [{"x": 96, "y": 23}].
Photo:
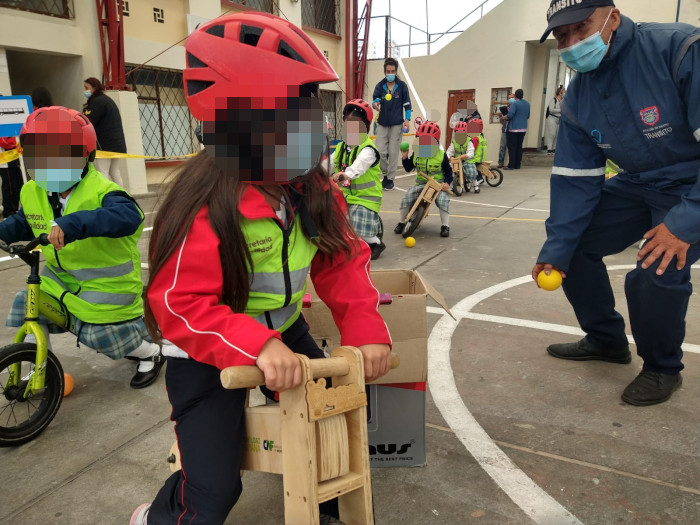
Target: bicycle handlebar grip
[{"x": 251, "y": 376}]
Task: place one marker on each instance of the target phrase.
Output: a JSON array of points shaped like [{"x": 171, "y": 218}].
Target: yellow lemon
[
  {"x": 410, "y": 242},
  {"x": 549, "y": 282}
]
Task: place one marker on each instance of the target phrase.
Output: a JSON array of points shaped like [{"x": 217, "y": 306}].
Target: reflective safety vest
[
  {"x": 365, "y": 190},
  {"x": 98, "y": 278},
  {"x": 432, "y": 166},
  {"x": 281, "y": 261},
  {"x": 479, "y": 151},
  {"x": 460, "y": 149}
]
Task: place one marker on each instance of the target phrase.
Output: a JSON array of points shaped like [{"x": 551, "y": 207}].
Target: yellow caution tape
[{"x": 11, "y": 155}]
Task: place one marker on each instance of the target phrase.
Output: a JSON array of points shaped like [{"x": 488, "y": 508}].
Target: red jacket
[{"x": 185, "y": 296}]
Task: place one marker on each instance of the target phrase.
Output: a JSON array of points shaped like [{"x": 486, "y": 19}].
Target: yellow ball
[
  {"x": 549, "y": 282},
  {"x": 387, "y": 96},
  {"x": 69, "y": 383},
  {"x": 410, "y": 242}
]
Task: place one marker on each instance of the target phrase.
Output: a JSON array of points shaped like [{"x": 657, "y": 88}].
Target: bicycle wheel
[
  {"x": 498, "y": 178},
  {"x": 457, "y": 187},
  {"x": 412, "y": 223},
  {"x": 24, "y": 418}
]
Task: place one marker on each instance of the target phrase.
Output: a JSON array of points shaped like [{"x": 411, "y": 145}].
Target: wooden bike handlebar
[{"x": 251, "y": 376}]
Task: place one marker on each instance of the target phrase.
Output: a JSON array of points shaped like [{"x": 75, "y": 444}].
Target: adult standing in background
[
  {"x": 105, "y": 117},
  {"x": 391, "y": 99},
  {"x": 517, "y": 117},
  {"x": 552, "y": 123},
  {"x": 503, "y": 110}
]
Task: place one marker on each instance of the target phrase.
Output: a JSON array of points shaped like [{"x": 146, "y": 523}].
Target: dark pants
[
  {"x": 657, "y": 304},
  {"x": 514, "y": 141},
  {"x": 11, "y": 185},
  {"x": 209, "y": 425},
  {"x": 502, "y": 148}
]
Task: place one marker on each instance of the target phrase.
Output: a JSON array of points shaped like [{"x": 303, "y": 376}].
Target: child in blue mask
[
  {"x": 92, "y": 264},
  {"x": 431, "y": 160}
]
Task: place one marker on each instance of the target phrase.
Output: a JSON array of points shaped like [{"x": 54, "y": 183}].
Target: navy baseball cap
[{"x": 565, "y": 12}]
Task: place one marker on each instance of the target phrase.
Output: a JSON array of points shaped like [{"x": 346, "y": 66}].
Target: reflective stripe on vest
[
  {"x": 278, "y": 279},
  {"x": 98, "y": 278},
  {"x": 365, "y": 190},
  {"x": 432, "y": 166}
]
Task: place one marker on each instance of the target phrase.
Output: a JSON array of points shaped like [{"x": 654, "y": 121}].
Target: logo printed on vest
[
  {"x": 36, "y": 221},
  {"x": 261, "y": 245}
]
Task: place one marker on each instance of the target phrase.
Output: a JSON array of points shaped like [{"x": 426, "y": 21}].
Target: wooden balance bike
[
  {"x": 316, "y": 437},
  {"x": 420, "y": 208}
]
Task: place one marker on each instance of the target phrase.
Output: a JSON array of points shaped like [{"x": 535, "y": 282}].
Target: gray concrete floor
[{"x": 560, "y": 423}]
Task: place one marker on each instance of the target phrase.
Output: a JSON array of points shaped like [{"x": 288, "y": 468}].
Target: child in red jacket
[{"x": 243, "y": 224}]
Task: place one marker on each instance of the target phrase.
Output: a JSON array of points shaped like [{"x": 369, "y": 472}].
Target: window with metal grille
[
  {"x": 260, "y": 5},
  {"x": 332, "y": 104},
  {"x": 57, "y": 8},
  {"x": 167, "y": 126},
  {"x": 321, "y": 14},
  {"x": 125, "y": 8}
]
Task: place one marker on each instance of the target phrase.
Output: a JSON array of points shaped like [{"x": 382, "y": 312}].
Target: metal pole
[
  {"x": 386, "y": 37},
  {"x": 427, "y": 26},
  {"x": 678, "y": 11}
]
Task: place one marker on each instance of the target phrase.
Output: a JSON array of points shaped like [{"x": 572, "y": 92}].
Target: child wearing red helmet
[
  {"x": 243, "y": 224},
  {"x": 355, "y": 162},
  {"x": 469, "y": 144},
  {"x": 92, "y": 264},
  {"x": 431, "y": 160}
]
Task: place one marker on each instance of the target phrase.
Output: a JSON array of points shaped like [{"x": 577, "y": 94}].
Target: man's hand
[
  {"x": 406, "y": 123},
  {"x": 377, "y": 360},
  {"x": 547, "y": 268},
  {"x": 336, "y": 176},
  {"x": 404, "y": 154},
  {"x": 281, "y": 367},
  {"x": 56, "y": 237},
  {"x": 445, "y": 187},
  {"x": 661, "y": 242},
  {"x": 376, "y": 106}
]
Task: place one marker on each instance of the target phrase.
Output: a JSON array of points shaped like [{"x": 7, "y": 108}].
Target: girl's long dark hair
[{"x": 198, "y": 183}]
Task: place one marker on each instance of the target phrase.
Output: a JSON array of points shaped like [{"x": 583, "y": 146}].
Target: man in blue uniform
[{"x": 634, "y": 101}]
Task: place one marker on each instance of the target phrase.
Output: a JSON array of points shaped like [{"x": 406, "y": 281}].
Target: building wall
[{"x": 502, "y": 50}]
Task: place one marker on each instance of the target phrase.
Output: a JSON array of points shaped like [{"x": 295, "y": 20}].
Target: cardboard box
[
  {"x": 405, "y": 317},
  {"x": 396, "y": 425}
]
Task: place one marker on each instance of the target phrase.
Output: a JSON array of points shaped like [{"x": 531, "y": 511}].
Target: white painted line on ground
[{"x": 533, "y": 500}]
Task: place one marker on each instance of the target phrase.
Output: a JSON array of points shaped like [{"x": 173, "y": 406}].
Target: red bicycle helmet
[
  {"x": 475, "y": 125},
  {"x": 362, "y": 106},
  {"x": 429, "y": 128},
  {"x": 257, "y": 56},
  {"x": 461, "y": 127},
  {"x": 62, "y": 126}
]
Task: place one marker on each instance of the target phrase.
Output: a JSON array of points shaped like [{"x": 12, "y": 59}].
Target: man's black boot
[
  {"x": 651, "y": 388},
  {"x": 584, "y": 350}
]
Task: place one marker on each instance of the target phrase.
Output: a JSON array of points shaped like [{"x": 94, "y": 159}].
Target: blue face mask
[
  {"x": 586, "y": 55},
  {"x": 511, "y": 100},
  {"x": 87, "y": 93},
  {"x": 390, "y": 78},
  {"x": 57, "y": 179}
]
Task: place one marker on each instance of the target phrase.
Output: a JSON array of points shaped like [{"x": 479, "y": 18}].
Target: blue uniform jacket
[
  {"x": 640, "y": 109},
  {"x": 391, "y": 112},
  {"x": 518, "y": 113}
]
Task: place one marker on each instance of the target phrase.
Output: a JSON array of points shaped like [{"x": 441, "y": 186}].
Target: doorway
[{"x": 454, "y": 97}]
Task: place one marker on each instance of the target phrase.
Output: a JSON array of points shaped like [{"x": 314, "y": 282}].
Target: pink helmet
[{"x": 61, "y": 126}]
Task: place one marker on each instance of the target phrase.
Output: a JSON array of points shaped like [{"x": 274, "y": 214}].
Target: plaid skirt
[
  {"x": 442, "y": 201},
  {"x": 470, "y": 171},
  {"x": 365, "y": 221},
  {"x": 113, "y": 340}
]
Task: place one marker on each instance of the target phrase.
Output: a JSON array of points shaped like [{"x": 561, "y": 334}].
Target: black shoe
[
  {"x": 377, "y": 248},
  {"x": 389, "y": 185},
  {"x": 399, "y": 227},
  {"x": 584, "y": 350},
  {"x": 143, "y": 379},
  {"x": 444, "y": 231},
  {"x": 651, "y": 388}
]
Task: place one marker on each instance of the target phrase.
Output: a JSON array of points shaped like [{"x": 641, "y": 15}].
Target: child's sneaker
[
  {"x": 476, "y": 188},
  {"x": 399, "y": 227},
  {"x": 140, "y": 515},
  {"x": 444, "y": 231},
  {"x": 377, "y": 249}
]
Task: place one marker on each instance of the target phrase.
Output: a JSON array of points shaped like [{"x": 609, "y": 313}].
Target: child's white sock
[
  {"x": 145, "y": 351},
  {"x": 444, "y": 217},
  {"x": 403, "y": 213},
  {"x": 371, "y": 240}
]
